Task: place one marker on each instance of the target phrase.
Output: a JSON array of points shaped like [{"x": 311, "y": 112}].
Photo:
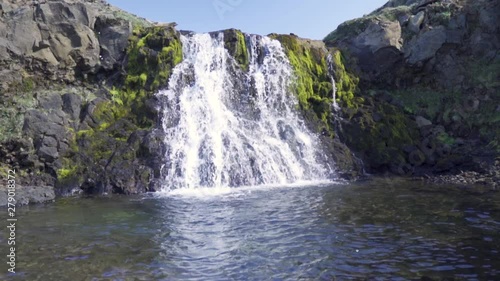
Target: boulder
[
  {"x": 72, "y": 104},
  {"x": 425, "y": 45},
  {"x": 416, "y": 21},
  {"x": 29, "y": 195},
  {"x": 379, "y": 34},
  {"x": 112, "y": 34}
]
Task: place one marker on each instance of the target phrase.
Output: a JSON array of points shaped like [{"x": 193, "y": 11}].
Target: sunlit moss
[
  {"x": 235, "y": 43},
  {"x": 312, "y": 84},
  {"x": 151, "y": 56}
]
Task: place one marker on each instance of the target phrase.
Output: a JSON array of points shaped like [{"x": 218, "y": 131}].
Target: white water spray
[{"x": 226, "y": 128}]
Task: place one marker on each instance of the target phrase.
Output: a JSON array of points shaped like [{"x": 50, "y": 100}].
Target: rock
[
  {"x": 72, "y": 105},
  {"x": 377, "y": 48},
  {"x": 416, "y": 21},
  {"x": 416, "y": 158},
  {"x": 29, "y": 195},
  {"x": 50, "y": 102},
  {"x": 61, "y": 36},
  {"x": 112, "y": 34},
  {"x": 422, "y": 122},
  {"x": 378, "y": 35},
  {"x": 48, "y": 154},
  {"x": 425, "y": 45}
]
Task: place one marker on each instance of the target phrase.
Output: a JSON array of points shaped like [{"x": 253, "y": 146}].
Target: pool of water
[{"x": 378, "y": 230}]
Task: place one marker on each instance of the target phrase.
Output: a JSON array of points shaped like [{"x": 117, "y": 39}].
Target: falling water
[
  {"x": 334, "y": 95},
  {"x": 227, "y": 128}
]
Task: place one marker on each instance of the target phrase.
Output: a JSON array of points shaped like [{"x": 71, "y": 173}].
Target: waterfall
[
  {"x": 226, "y": 128},
  {"x": 329, "y": 59}
]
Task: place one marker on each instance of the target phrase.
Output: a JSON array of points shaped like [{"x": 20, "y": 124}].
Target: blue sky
[{"x": 307, "y": 18}]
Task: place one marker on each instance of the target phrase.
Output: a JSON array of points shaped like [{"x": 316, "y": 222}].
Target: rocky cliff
[
  {"x": 78, "y": 109},
  {"x": 428, "y": 76}
]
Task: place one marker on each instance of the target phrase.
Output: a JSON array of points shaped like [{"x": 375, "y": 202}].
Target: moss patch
[
  {"x": 13, "y": 107},
  {"x": 346, "y": 82},
  {"x": 235, "y": 43},
  {"x": 380, "y": 141},
  {"x": 425, "y": 101},
  {"x": 152, "y": 54},
  {"x": 312, "y": 85}
]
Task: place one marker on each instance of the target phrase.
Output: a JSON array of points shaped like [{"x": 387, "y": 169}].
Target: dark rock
[
  {"x": 29, "y": 195},
  {"x": 425, "y": 45},
  {"x": 50, "y": 102},
  {"x": 72, "y": 105},
  {"x": 416, "y": 21},
  {"x": 112, "y": 34}
]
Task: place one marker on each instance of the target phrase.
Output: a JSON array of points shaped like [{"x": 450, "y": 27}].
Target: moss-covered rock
[
  {"x": 313, "y": 82},
  {"x": 107, "y": 139},
  {"x": 235, "y": 43},
  {"x": 378, "y": 132},
  {"x": 438, "y": 70}
]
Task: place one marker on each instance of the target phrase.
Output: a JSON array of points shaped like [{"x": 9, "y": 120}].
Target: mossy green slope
[{"x": 313, "y": 84}]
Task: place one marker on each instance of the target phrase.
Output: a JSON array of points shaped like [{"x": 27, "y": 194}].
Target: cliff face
[
  {"x": 436, "y": 65},
  {"x": 78, "y": 109}
]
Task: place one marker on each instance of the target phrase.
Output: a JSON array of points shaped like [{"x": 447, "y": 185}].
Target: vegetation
[
  {"x": 313, "y": 84},
  {"x": 346, "y": 82},
  {"x": 152, "y": 54},
  {"x": 13, "y": 106},
  {"x": 236, "y": 45}
]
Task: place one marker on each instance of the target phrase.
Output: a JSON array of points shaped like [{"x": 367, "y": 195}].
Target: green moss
[
  {"x": 346, "y": 83},
  {"x": 242, "y": 52},
  {"x": 13, "y": 107},
  {"x": 151, "y": 55},
  {"x": 441, "y": 14},
  {"x": 28, "y": 84},
  {"x": 235, "y": 43},
  {"x": 425, "y": 101},
  {"x": 63, "y": 174},
  {"x": 380, "y": 142},
  {"x": 484, "y": 73},
  {"x": 445, "y": 138},
  {"x": 312, "y": 84}
]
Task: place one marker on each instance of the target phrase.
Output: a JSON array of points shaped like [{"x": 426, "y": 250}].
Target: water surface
[{"x": 379, "y": 230}]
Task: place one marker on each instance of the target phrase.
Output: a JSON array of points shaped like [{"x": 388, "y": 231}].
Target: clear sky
[{"x": 307, "y": 18}]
